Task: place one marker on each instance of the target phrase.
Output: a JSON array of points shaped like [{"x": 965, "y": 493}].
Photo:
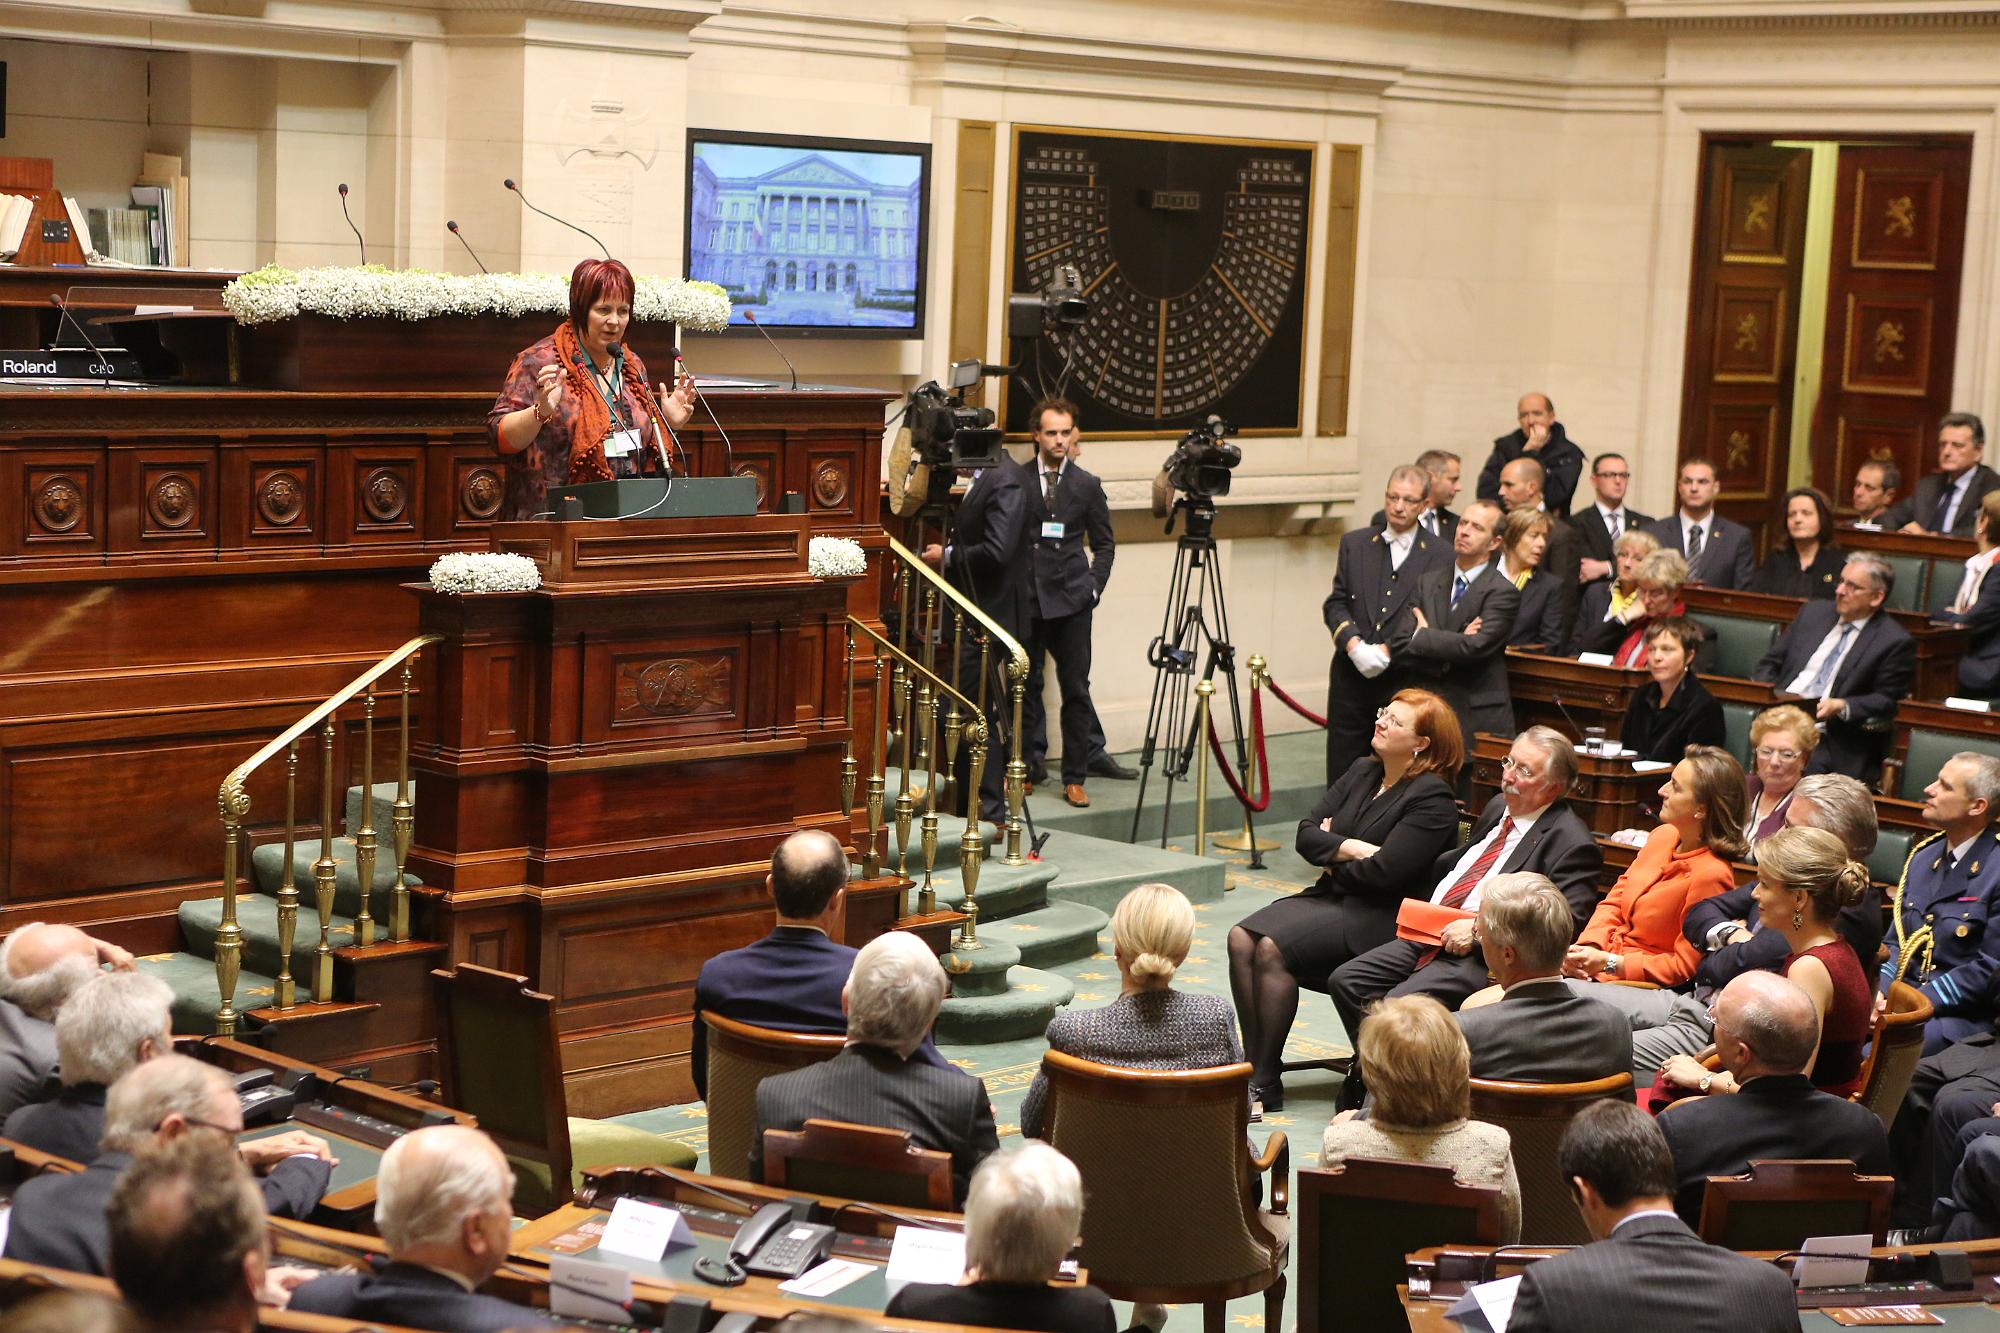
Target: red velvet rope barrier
[
  {"x": 1263, "y": 802},
  {"x": 1294, "y": 704}
]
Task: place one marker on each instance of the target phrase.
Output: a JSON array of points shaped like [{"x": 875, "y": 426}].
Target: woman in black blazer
[
  {"x": 1672, "y": 711},
  {"x": 1802, "y": 564},
  {"x": 1376, "y": 831},
  {"x": 1524, "y": 540}
]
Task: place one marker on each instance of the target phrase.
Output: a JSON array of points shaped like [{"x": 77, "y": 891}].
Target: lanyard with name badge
[{"x": 624, "y": 439}]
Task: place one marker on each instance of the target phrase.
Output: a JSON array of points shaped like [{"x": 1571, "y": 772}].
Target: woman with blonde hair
[
  {"x": 1524, "y": 541},
  {"x": 1660, "y": 577},
  {"x": 1781, "y": 744},
  {"x": 1413, "y": 1056},
  {"x": 1150, "y": 1025},
  {"x": 1607, "y": 599}
]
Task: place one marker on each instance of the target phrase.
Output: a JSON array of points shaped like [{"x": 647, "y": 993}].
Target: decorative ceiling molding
[{"x": 681, "y": 14}]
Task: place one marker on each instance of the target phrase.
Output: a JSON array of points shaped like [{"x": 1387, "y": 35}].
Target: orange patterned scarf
[{"x": 593, "y": 419}]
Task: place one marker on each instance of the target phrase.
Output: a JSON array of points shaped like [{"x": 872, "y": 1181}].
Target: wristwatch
[
  {"x": 1707, "y": 1082},
  {"x": 1614, "y": 963}
]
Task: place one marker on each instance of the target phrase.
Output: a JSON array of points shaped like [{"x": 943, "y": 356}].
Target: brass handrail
[
  {"x": 233, "y": 801},
  {"x": 1017, "y": 655}
]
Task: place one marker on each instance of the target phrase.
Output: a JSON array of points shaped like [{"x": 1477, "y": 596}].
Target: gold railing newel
[
  {"x": 1017, "y": 770},
  {"x": 1204, "y": 691},
  {"x": 402, "y": 820},
  {"x": 871, "y": 859},
  {"x": 326, "y": 873},
  {"x": 1248, "y": 841},
  {"x": 850, "y": 768},
  {"x": 235, "y": 803},
  {"x": 972, "y": 846},
  {"x": 285, "y": 993},
  {"x": 364, "y": 837}
]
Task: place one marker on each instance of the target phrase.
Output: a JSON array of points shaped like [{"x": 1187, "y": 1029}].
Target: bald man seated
[
  {"x": 443, "y": 1202},
  {"x": 41, "y": 966}
]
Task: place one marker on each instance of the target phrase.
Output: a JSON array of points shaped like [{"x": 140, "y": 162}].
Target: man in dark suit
[
  {"x": 1765, "y": 1034},
  {"x": 792, "y": 978},
  {"x": 1602, "y": 522},
  {"x": 114, "y": 1021},
  {"x": 1947, "y": 501},
  {"x": 59, "y": 1220},
  {"x": 1066, "y": 505},
  {"x": 892, "y": 999},
  {"x": 1647, "y": 1270},
  {"x": 1521, "y": 483},
  {"x": 187, "y": 1238},
  {"x": 1527, "y": 828},
  {"x": 1853, "y": 660},
  {"x": 1437, "y": 518},
  {"x": 1875, "y": 484},
  {"x": 1540, "y": 437},
  {"x": 1540, "y": 1030},
  {"x": 1453, "y": 636},
  {"x": 444, "y": 1200},
  {"x": 1716, "y": 549},
  {"x": 1376, "y": 577},
  {"x": 988, "y": 562},
  {"x": 41, "y": 966}
]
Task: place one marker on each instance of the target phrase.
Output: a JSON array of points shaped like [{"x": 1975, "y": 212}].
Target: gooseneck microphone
[
  {"x": 350, "y": 222},
  {"x": 509, "y": 184},
  {"x": 750, "y": 318},
  {"x": 646, "y": 396},
  {"x": 452, "y": 227},
  {"x": 103, "y": 362},
  {"x": 729, "y": 450}
]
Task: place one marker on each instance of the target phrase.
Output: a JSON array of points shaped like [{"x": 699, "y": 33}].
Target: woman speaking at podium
[{"x": 574, "y": 408}]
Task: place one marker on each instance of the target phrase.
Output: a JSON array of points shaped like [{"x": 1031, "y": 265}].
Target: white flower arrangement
[
  {"x": 484, "y": 571},
  {"x": 370, "y": 291},
  {"x": 835, "y": 558}
]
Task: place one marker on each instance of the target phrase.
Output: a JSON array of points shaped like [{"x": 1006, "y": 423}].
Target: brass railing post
[
  {"x": 972, "y": 846},
  {"x": 325, "y": 873},
  {"x": 849, "y": 767},
  {"x": 1249, "y": 841},
  {"x": 286, "y": 993},
  {"x": 1204, "y": 691},
  {"x": 928, "y": 629},
  {"x": 954, "y": 723},
  {"x": 364, "y": 837},
  {"x": 906, "y": 807},
  {"x": 402, "y": 820},
  {"x": 927, "y": 720},
  {"x": 871, "y": 860},
  {"x": 235, "y": 804}
]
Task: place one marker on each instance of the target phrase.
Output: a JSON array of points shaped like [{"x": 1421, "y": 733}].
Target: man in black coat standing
[
  {"x": 1377, "y": 575},
  {"x": 1542, "y": 438},
  {"x": 1454, "y": 637},
  {"x": 1066, "y": 506},
  {"x": 1947, "y": 501}
]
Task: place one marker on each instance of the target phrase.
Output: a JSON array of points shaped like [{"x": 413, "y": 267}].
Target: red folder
[{"x": 1422, "y": 921}]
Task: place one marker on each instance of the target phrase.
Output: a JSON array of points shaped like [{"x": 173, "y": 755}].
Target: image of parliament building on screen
[{"x": 808, "y": 237}]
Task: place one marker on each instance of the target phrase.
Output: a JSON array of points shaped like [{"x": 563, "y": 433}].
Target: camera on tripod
[
  {"x": 945, "y": 432},
  {"x": 1060, "y": 307},
  {"x": 1198, "y": 469}
]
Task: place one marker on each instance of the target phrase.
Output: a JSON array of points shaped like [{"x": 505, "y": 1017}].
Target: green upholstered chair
[
  {"x": 1893, "y": 1053},
  {"x": 1736, "y": 720},
  {"x": 1535, "y": 1116},
  {"x": 1892, "y": 849},
  {"x": 1734, "y": 643},
  {"x": 740, "y": 1056},
  {"x": 500, "y": 1060},
  {"x": 1358, "y": 1220},
  {"x": 1778, "y": 1205},
  {"x": 1927, "y": 753},
  {"x": 1912, "y": 580},
  {"x": 1946, "y": 574},
  {"x": 864, "y": 1162}
]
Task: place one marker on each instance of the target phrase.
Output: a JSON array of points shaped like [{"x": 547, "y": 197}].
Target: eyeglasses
[
  {"x": 1510, "y": 764},
  {"x": 1783, "y": 756},
  {"x": 1385, "y": 718},
  {"x": 1613, "y": 476},
  {"x": 231, "y": 1130}
]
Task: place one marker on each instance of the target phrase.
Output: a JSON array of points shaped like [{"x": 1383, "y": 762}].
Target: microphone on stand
[
  {"x": 452, "y": 227},
  {"x": 728, "y": 449},
  {"x": 509, "y": 184},
  {"x": 103, "y": 362},
  {"x": 750, "y": 317},
  {"x": 350, "y": 222},
  {"x": 666, "y": 461}
]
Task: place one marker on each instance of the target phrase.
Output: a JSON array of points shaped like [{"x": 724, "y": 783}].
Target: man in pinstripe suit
[{"x": 893, "y": 996}]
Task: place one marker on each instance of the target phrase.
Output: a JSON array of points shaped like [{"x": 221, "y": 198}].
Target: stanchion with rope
[{"x": 1247, "y": 840}]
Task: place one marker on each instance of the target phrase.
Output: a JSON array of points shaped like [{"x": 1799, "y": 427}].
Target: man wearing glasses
[
  {"x": 1602, "y": 523},
  {"x": 59, "y": 1220}
]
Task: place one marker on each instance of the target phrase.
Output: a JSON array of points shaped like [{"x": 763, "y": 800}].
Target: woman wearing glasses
[
  {"x": 1781, "y": 741},
  {"x": 1375, "y": 832}
]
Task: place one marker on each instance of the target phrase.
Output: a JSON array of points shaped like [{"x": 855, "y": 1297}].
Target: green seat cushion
[
  {"x": 1892, "y": 849},
  {"x": 1927, "y": 753},
  {"x": 1734, "y": 643},
  {"x": 1911, "y": 576},
  {"x": 1736, "y": 720},
  {"x": 592, "y": 1144}
]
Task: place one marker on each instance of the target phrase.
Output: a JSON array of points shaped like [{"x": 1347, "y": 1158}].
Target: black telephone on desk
[{"x": 771, "y": 1243}]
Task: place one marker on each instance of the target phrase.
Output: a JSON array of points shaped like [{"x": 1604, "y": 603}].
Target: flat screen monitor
[{"x": 816, "y": 237}]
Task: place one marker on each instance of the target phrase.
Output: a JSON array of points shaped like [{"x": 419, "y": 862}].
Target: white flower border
[
  {"x": 274, "y": 293},
  {"x": 835, "y": 558},
  {"x": 484, "y": 571}
]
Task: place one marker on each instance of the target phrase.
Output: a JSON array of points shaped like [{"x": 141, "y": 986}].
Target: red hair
[
  {"x": 595, "y": 280},
  {"x": 1433, "y": 720}
]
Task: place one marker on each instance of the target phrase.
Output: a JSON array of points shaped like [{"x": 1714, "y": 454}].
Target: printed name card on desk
[
  {"x": 644, "y": 1231},
  {"x": 921, "y": 1254},
  {"x": 579, "y": 1289}
]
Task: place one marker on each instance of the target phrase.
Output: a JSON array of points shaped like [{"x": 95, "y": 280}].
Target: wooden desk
[
  {"x": 1938, "y": 646},
  {"x": 1566, "y": 694}
]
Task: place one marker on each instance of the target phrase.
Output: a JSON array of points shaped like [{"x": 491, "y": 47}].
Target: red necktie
[{"x": 1456, "y": 895}]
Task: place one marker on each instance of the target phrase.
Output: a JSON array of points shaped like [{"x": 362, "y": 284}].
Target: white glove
[{"x": 1370, "y": 659}]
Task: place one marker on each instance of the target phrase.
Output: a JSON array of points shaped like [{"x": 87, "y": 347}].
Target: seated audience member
[
  {"x": 1378, "y": 830},
  {"x": 1660, "y": 576},
  {"x": 1977, "y": 607},
  {"x": 1454, "y": 637},
  {"x": 114, "y": 1021},
  {"x": 1948, "y": 895},
  {"x": 1782, "y": 740},
  {"x": 1436, "y": 518},
  {"x": 1802, "y": 563},
  {"x": 188, "y": 1246},
  {"x": 1673, "y": 710},
  {"x": 1971, "y": 1208},
  {"x": 1539, "y": 438},
  {"x": 1603, "y": 523},
  {"x": 1023, "y": 1214},
  {"x": 443, "y": 1203},
  {"x": 1524, "y": 541},
  {"x": 1875, "y": 484},
  {"x": 1766, "y": 1029},
  {"x": 1150, "y": 1025},
  {"x": 1613, "y": 598},
  {"x": 1414, "y": 1060},
  {"x": 82, "y": 1312},
  {"x": 1945, "y": 501},
  {"x": 1853, "y": 661},
  {"x": 1803, "y": 883},
  {"x": 1539, "y": 1030},
  {"x": 41, "y": 965},
  {"x": 58, "y": 1220},
  {"x": 1717, "y": 550},
  {"x": 1647, "y": 1269},
  {"x": 1635, "y": 933},
  {"x": 792, "y": 978},
  {"x": 1528, "y": 827},
  {"x": 892, "y": 998}
]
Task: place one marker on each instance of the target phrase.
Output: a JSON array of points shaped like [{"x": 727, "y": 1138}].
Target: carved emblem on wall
[
  {"x": 1738, "y": 456},
  {"x": 1902, "y": 217},
  {"x": 171, "y": 502},
  {"x": 830, "y": 484},
  {"x": 755, "y": 470},
  {"x": 480, "y": 494},
  {"x": 1746, "y": 333},
  {"x": 58, "y": 505},
  {"x": 384, "y": 496},
  {"x": 1881, "y": 453},
  {"x": 281, "y": 499},
  {"x": 674, "y": 687},
  {"x": 1888, "y": 342},
  {"x": 1757, "y": 211}
]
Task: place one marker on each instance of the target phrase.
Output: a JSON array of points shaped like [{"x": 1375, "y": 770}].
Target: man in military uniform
[
  {"x": 1378, "y": 572},
  {"x": 1940, "y": 912}
]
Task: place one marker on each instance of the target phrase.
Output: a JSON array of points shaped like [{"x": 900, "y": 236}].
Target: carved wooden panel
[
  {"x": 832, "y": 482},
  {"x": 1762, "y": 206},
  {"x": 1887, "y": 348},
  {"x": 162, "y": 500},
  {"x": 375, "y": 494},
  {"x": 1859, "y": 440},
  {"x": 276, "y": 497},
  {"x": 1898, "y": 219},
  {"x": 760, "y": 454},
  {"x": 63, "y": 503},
  {"x": 1752, "y": 335},
  {"x": 1742, "y": 442},
  {"x": 673, "y": 687}
]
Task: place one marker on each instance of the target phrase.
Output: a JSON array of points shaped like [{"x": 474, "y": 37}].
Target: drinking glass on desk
[{"x": 1593, "y": 741}]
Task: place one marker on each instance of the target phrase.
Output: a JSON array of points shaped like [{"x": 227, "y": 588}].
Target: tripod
[{"x": 1194, "y": 628}]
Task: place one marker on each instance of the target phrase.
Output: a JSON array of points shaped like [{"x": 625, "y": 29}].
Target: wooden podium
[{"x": 609, "y": 762}]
